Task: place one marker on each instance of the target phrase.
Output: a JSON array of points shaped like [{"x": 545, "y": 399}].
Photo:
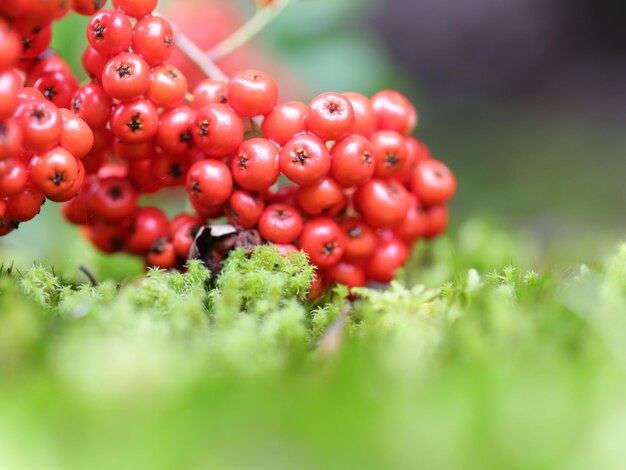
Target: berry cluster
[
  {"x": 41, "y": 141},
  {"x": 340, "y": 178}
]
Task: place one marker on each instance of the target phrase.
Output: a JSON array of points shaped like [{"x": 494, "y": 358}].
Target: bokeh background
[{"x": 524, "y": 99}]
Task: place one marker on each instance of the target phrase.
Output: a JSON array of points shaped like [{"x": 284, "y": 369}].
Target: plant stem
[
  {"x": 251, "y": 28},
  {"x": 197, "y": 55}
]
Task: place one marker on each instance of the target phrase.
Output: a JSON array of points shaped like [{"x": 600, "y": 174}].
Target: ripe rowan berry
[
  {"x": 10, "y": 138},
  {"x": 285, "y": 121},
  {"x": 41, "y": 124},
  {"x": 323, "y": 241},
  {"x": 252, "y": 93},
  {"x": 391, "y": 154},
  {"x": 209, "y": 182},
  {"x": 382, "y": 203},
  {"x": 389, "y": 256},
  {"x": 364, "y": 117},
  {"x": 25, "y": 205},
  {"x": 136, "y": 8},
  {"x": 13, "y": 177},
  {"x": 153, "y": 39},
  {"x": 93, "y": 63},
  {"x": 110, "y": 32},
  {"x": 209, "y": 91},
  {"x": 175, "y": 130},
  {"x": 304, "y": 160},
  {"x": 162, "y": 254},
  {"x": 414, "y": 223},
  {"x": 436, "y": 221},
  {"x": 126, "y": 76},
  {"x": 76, "y": 136},
  {"x": 394, "y": 112},
  {"x": 183, "y": 237},
  {"x": 346, "y": 273},
  {"x": 93, "y": 105},
  {"x": 323, "y": 198},
  {"x": 135, "y": 121},
  {"x": 168, "y": 86},
  {"x": 218, "y": 131},
  {"x": 353, "y": 161},
  {"x": 53, "y": 172},
  {"x": 148, "y": 225},
  {"x": 359, "y": 239},
  {"x": 330, "y": 116},
  {"x": 432, "y": 182},
  {"x": 255, "y": 164},
  {"x": 244, "y": 208},
  {"x": 112, "y": 198},
  {"x": 280, "y": 223}
]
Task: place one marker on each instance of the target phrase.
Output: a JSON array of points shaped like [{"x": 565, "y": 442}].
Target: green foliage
[{"x": 429, "y": 373}]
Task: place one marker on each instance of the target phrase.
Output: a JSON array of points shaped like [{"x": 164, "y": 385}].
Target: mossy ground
[{"x": 466, "y": 361}]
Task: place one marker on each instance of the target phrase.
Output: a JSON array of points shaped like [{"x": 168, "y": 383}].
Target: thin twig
[
  {"x": 248, "y": 30},
  {"x": 89, "y": 275},
  {"x": 196, "y": 55}
]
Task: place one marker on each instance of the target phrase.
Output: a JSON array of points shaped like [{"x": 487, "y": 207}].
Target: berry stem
[
  {"x": 196, "y": 55},
  {"x": 248, "y": 30}
]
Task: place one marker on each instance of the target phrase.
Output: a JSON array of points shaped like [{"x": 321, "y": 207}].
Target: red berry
[
  {"x": 25, "y": 205},
  {"x": 162, "y": 254},
  {"x": 169, "y": 170},
  {"x": 414, "y": 224},
  {"x": 394, "y": 112},
  {"x": 75, "y": 210},
  {"x": 41, "y": 125},
  {"x": 126, "y": 76},
  {"x": 252, "y": 93},
  {"x": 133, "y": 151},
  {"x": 209, "y": 91},
  {"x": 14, "y": 177},
  {"x": 285, "y": 248},
  {"x": 110, "y": 32},
  {"x": 346, "y": 273},
  {"x": 140, "y": 174},
  {"x": 209, "y": 182},
  {"x": 255, "y": 164},
  {"x": 364, "y": 117},
  {"x": 135, "y": 121},
  {"x": 323, "y": 198},
  {"x": 382, "y": 203},
  {"x": 112, "y": 198},
  {"x": 391, "y": 154},
  {"x": 353, "y": 161},
  {"x": 35, "y": 41},
  {"x": 389, "y": 256},
  {"x": 76, "y": 136},
  {"x": 73, "y": 189},
  {"x": 285, "y": 121},
  {"x": 168, "y": 86},
  {"x": 244, "y": 209},
  {"x": 107, "y": 237},
  {"x": 10, "y": 139},
  {"x": 87, "y": 7},
  {"x": 93, "y": 105},
  {"x": 135, "y": 8},
  {"x": 330, "y": 116},
  {"x": 11, "y": 47},
  {"x": 149, "y": 224},
  {"x": 359, "y": 239},
  {"x": 323, "y": 241},
  {"x": 175, "y": 130},
  {"x": 10, "y": 83},
  {"x": 54, "y": 172},
  {"x": 218, "y": 131},
  {"x": 436, "y": 221},
  {"x": 93, "y": 63},
  {"x": 432, "y": 182},
  {"x": 184, "y": 235},
  {"x": 280, "y": 223},
  {"x": 305, "y": 160},
  {"x": 153, "y": 39},
  {"x": 57, "y": 87}
]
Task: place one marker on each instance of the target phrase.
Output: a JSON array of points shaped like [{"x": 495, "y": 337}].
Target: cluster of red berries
[
  {"x": 41, "y": 141},
  {"x": 340, "y": 178}
]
